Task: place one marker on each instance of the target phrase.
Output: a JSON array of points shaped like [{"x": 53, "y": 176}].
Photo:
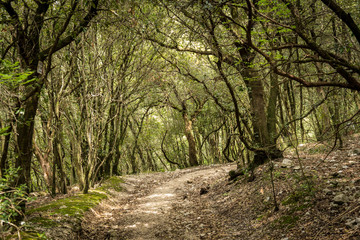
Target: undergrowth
[{"x": 58, "y": 212}]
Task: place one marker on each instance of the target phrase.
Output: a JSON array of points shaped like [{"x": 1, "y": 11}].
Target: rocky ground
[{"x": 313, "y": 195}]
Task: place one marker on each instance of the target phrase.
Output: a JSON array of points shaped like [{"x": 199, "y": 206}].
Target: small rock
[
  {"x": 201, "y": 226},
  {"x": 297, "y": 168},
  {"x": 340, "y": 199},
  {"x": 286, "y": 162},
  {"x": 62, "y": 207},
  {"x": 345, "y": 167}
]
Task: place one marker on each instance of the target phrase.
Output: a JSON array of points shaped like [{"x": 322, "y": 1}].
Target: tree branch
[
  {"x": 345, "y": 17},
  {"x": 163, "y": 151},
  {"x": 71, "y": 37}
]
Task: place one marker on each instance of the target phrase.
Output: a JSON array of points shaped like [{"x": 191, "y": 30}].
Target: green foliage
[
  {"x": 11, "y": 197},
  {"x": 12, "y": 76},
  {"x": 3, "y": 131}
]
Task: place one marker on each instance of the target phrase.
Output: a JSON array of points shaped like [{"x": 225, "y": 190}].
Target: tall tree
[{"x": 39, "y": 29}]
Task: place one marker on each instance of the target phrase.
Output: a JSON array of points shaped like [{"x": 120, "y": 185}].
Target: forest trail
[{"x": 158, "y": 206}]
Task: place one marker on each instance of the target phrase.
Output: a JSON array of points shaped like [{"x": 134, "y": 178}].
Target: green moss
[
  {"x": 44, "y": 222},
  {"x": 67, "y": 209},
  {"x": 71, "y": 206},
  {"x": 112, "y": 183},
  {"x": 64, "y": 209},
  {"x": 288, "y": 221}
]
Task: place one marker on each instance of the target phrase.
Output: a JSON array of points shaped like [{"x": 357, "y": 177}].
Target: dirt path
[{"x": 158, "y": 206}]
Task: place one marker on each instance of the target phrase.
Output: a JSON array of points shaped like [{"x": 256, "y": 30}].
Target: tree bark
[
  {"x": 45, "y": 165},
  {"x": 3, "y": 161},
  {"x": 25, "y": 130},
  {"x": 191, "y": 140}
]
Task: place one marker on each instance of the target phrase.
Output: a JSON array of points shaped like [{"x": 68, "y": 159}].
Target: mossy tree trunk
[{"x": 193, "y": 158}]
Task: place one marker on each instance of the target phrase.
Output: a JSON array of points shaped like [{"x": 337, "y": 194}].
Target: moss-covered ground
[
  {"x": 61, "y": 211},
  {"x": 71, "y": 206}
]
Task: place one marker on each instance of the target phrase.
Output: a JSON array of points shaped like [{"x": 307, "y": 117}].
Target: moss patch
[
  {"x": 43, "y": 222},
  {"x": 112, "y": 183},
  {"x": 71, "y": 206},
  {"x": 288, "y": 221},
  {"x": 66, "y": 211}
]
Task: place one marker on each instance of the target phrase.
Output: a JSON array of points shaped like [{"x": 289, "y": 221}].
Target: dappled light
[{"x": 191, "y": 119}]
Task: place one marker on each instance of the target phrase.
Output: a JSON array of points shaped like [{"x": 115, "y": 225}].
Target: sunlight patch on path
[
  {"x": 164, "y": 195},
  {"x": 144, "y": 215}
]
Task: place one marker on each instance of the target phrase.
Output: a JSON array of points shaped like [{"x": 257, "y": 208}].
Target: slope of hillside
[{"x": 317, "y": 197}]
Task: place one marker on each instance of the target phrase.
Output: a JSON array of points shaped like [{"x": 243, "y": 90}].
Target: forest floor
[{"x": 318, "y": 195}]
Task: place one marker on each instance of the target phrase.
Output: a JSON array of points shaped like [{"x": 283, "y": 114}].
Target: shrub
[{"x": 11, "y": 200}]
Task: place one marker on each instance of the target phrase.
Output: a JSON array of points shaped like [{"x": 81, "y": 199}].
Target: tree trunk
[
  {"x": 115, "y": 167},
  {"x": 191, "y": 141},
  {"x": 214, "y": 149},
  {"x": 45, "y": 165},
  {"x": 25, "y": 130},
  {"x": 58, "y": 161},
  {"x": 259, "y": 119},
  {"x": 3, "y": 161},
  {"x": 77, "y": 162},
  {"x": 271, "y": 117}
]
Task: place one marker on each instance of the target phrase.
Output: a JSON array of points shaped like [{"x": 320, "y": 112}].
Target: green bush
[{"x": 11, "y": 199}]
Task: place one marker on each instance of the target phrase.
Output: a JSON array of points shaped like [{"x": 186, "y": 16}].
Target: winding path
[{"x": 156, "y": 206}]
